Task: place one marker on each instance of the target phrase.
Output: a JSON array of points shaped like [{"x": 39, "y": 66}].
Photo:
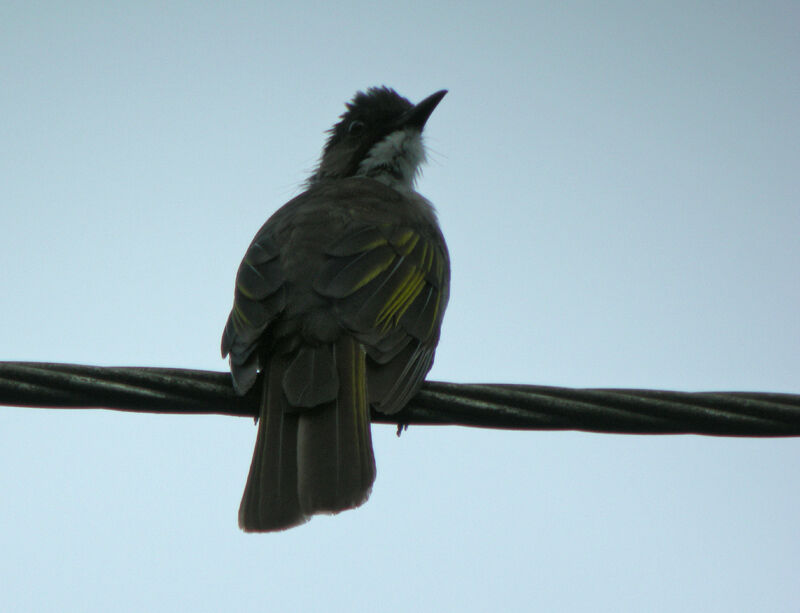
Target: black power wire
[{"x": 522, "y": 407}]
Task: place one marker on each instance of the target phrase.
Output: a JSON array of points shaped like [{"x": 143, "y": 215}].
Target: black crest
[{"x": 370, "y": 116}]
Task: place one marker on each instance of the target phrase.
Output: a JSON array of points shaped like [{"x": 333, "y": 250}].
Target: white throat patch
[{"x": 396, "y": 159}]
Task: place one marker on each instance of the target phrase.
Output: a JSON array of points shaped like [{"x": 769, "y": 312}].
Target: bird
[{"x": 337, "y": 311}]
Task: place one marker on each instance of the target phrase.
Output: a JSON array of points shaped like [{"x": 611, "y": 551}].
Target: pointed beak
[{"x": 418, "y": 115}]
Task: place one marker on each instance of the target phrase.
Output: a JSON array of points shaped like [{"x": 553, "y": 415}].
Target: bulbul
[{"x": 337, "y": 308}]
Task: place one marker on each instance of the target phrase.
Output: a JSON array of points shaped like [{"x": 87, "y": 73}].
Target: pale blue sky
[{"x": 619, "y": 189}]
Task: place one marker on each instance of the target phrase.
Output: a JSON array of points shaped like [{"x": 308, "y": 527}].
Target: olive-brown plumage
[{"x": 337, "y": 308}]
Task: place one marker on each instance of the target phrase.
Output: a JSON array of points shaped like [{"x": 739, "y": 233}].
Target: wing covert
[
  {"x": 389, "y": 287},
  {"x": 259, "y": 298}
]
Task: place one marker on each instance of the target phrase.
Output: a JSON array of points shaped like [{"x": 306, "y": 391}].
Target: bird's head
[{"x": 378, "y": 136}]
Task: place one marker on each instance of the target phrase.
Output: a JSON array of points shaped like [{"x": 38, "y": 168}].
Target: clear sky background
[{"x": 619, "y": 189}]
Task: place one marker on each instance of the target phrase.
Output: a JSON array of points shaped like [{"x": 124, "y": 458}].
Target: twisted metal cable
[{"x": 523, "y": 407}]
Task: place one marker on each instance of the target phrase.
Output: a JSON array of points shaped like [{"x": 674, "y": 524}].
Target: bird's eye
[{"x": 355, "y": 128}]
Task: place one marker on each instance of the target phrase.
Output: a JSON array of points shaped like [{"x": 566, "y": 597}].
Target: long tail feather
[
  {"x": 309, "y": 461},
  {"x": 336, "y": 465},
  {"x": 270, "y": 497}
]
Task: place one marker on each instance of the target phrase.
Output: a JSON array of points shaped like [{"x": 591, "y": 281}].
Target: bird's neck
[{"x": 395, "y": 160}]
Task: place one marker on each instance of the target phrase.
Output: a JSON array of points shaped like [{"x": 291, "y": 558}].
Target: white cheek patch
[{"x": 395, "y": 159}]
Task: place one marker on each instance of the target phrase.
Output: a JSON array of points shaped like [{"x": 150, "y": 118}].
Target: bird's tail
[{"x": 310, "y": 460}]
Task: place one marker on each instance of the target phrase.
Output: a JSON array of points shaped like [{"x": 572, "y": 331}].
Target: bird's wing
[
  {"x": 389, "y": 287},
  {"x": 259, "y": 298}
]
